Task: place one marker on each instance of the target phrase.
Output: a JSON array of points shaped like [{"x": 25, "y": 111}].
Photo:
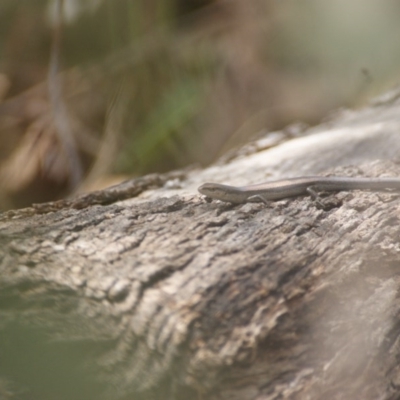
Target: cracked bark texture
[{"x": 168, "y": 296}]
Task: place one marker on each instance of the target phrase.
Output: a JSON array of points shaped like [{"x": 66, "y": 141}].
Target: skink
[{"x": 281, "y": 189}]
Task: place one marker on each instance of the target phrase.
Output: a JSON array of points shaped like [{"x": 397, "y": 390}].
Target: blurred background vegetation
[{"x": 95, "y": 91}]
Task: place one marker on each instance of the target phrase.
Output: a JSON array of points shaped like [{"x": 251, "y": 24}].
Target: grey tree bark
[{"x": 143, "y": 293}]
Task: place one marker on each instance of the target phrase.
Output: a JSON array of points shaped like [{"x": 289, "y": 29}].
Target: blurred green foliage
[
  {"x": 199, "y": 76},
  {"x": 163, "y": 127}
]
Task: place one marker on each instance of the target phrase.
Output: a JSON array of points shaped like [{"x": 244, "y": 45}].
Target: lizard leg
[
  {"x": 258, "y": 198},
  {"x": 312, "y": 191}
]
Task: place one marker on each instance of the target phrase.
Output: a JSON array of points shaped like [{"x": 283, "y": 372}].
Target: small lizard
[{"x": 282, "y": 189}]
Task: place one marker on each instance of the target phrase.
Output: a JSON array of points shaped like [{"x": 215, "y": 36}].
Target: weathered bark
[{"x": 167, "y": 296}]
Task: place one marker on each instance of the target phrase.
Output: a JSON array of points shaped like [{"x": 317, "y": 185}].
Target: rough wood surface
[{"x": 168, "y": 296}]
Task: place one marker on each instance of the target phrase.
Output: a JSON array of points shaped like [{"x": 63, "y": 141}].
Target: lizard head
[{"x": 227, "y": 193}]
